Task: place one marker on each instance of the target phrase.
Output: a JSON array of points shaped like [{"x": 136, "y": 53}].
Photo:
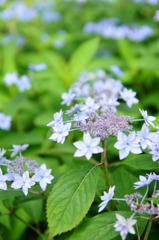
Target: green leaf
[
  {"x": 71, "y": 199},
  {"x": 141, "y": 162},
  {"x": 82, "y": 56}
]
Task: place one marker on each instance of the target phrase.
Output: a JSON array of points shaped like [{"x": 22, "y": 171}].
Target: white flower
[
  {"x": 67, "y": 97},
  {"x": 37, "y": 67},
  {"x": 148, "y": 119},
  {"x": 80, "y": 117},
  {"x": 143, "y": 181},
  {"x": 23, "y": 83},
  {"x": 145, "y": 136},
  {"x": 87, "y": 147},
  {"x": 42, "y": 175},
  {"x": 116, "y": 70},
  {"x": 18, "y": 149},
  {"x": 129, "y": 97},
  {"x": 11, "y": 78},
  {"x": 155, "y": 152},
  {"x": 126, "y": 144},
  {"x": 60, "y": 132},
  {"x": 106, "y": 198},
  {"x": 90, "y": 105},
  {"x": 3, "y": 179},
  {"x": 5, "y": 121},
  {"x": 124, "y": 226},
  {"x": 57, "y": 119},
  {"x": 23, "y": 182}
]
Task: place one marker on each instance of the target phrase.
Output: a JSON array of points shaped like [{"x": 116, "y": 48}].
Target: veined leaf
[
  {"x": 71, "y": 199},
  {"x": 82, "y": 56}
]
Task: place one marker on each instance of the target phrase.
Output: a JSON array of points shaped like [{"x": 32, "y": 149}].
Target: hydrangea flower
[
  {"x": 124, "y": 226},
  {"x": 11, "y": 78},
  {"x": 143, "y": 181},
  {"x": 127, "y": 144},
  {"x": 90, "y": 105},
  {"x": 116, "y": 70},
  {"x": 18, "y": 149},
  {"x": 37, "y": 67},
  {"x": 57, "y": 119},
  {"x": 23, "y": 83},
  {"x": 60, "y": 132},
  {"x": 155, "y": 152},
  {"x": 67, "y": 97},
  {"x": 148, "y": 119},
  {"x": 42, "y": 175},
  {"x": 106, "y": 198},
  {"x": 3, "y": 179},
  {"x": 88, "y": 147},
  {"x": 129, "y": 97},
  {"x": 145, "y": 137},
  {"x": 23, "y": 182},
  {"x": 5, "y": 121}
]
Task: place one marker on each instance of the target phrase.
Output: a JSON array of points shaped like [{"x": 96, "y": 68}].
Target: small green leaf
[
  {"x": 71, "y": 199},
  {"x": 82, "y": 56}
]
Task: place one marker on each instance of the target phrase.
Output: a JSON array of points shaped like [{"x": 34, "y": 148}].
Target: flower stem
[
  {"x": 148, "y": 229},
  {"x": 104, "y": 161}
]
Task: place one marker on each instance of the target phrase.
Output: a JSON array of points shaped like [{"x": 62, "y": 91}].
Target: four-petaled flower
[
  {"x": 126, "y": 144},
  {"x": 106, "y": 198},
  {"x": 42, "y": 175},
  {"x": 3, "y": 179},
  {"x": 87, "y": 147},
  {"x": 148, "y": 119},
  {"x": 145, "y": 136},
  {"x": 143, "y": 181},
  {"x": 57, "y": 119},
  {"x": 129, "y": 97},
  {"x": 60, "y": 132},
  {"x": 23, "y": 182},
  {"x": 67, "y": 97},
  {"x": 124, "y": 226},
  {"x": 18, "y": 149},
  {"x": 90, "y": 105}
]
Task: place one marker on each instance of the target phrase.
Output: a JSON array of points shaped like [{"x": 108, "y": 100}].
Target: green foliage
[{"x": 71, "y": 199}]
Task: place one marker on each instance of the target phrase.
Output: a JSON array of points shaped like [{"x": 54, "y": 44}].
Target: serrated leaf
[
  {"x": 141, "y": 162},
  {"x": 82, "y": 56},
  {"x": 71, "y": 199}
]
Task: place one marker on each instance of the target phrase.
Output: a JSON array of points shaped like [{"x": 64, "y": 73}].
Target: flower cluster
[
  {"x": 110, "y": 28},
  {"x": 23, "y": 83},
  {"x": 20, "y": 169},
  {"x": 5, "y": 121}
]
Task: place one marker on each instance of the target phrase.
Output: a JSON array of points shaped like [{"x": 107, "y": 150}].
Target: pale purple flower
[
  {"x": 155, "y": 152},
  {"x": 148, "y": 119},
  {"x": 57, "y": 119},
  {"x": 116, "y": 70},
  {"x": 60, "y": 132},
  {"x": 74, "y": 109},
  {"x": 37, "y": 67},
  {"x": 145, "y": 137},
  {"x": 144, "y": 181},
  {"x": 106, "y": 198},
  {"x": 129, "y": 97},
  {"x": 80, "y": 117},
  {"x": 59, "y": 43},
  {"x": 156, "y": 17},
  {"x": 90, "y": 105},
  {"x": 88, "y": 147},
  {"x": 11, "y": 78},
  {"x": 67, "y": 97},
  {"x": 5, "y": 121},
  {"x": 43, "y": 176},
  {"x": 3, "y": 179},
  {"x": 23, "y": 83},
  {"x": 18, "y": 149},
  {"x": 23, "y": 182},
  {"x": 127, "y": 144},
  {"x": 124, "y": 226}
]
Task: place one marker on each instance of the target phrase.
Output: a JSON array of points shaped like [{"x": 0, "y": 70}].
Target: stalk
[
  {"x": 149, "y": 225},
  {"x": 105, "y": 166}
]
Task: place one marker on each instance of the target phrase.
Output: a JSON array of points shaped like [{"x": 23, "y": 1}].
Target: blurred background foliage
[{"x": 33, "y": 109}]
